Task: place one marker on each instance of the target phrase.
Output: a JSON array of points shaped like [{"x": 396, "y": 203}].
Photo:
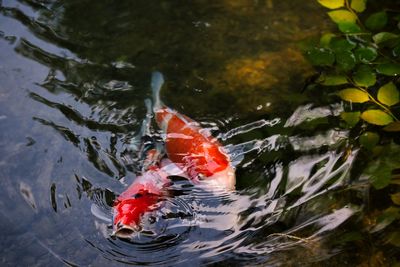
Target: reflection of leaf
[
  {"x": 365, "y": 54},
  {"x": 390, "y": 69},
  {"x": 384, "y": 37},
  {"x": 380, "y": 170},
  {"x": 393, "y": 127},
  {"x": 388, "y": 94},
  {"x": 358, "y": 5},
  {"x": 332, "y": 4},
  {"x": 351, "y": 118},
  {"x": 376, "y": 116},
  {"x": 321, "y": 57},
  {"x": 354, "y": 95},
  {"x": 369, "y": 140},
  {"x": 376, "y": 21},
  {"x": 332, "y": 79},
  {"x": 364, "y": 76}
]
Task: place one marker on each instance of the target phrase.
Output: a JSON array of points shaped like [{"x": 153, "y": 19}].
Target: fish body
[{"x": 190, "y": 147}]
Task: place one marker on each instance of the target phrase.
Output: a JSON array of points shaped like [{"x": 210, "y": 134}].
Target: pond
[{"x": 75, "y": 80}]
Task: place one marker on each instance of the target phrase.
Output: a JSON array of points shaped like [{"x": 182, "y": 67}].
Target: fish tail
[{"x": 157, "y": 81}]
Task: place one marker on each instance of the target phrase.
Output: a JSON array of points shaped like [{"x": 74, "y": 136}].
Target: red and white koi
[
  {"x": 199, "y": 156},
  {"x": 140, "y": 197},
  {"x": 189, "y": 146}
]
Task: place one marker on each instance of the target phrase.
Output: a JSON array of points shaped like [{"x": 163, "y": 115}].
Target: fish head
[
  {"x": 140, "y": 197},
  {"x": 128, "y": 213}
]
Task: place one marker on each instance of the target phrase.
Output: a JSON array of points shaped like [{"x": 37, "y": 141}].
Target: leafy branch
[{"x": 364, "y": 57}]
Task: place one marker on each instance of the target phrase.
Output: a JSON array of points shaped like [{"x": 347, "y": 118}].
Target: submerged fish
[
  {"x": 189, "y": 146},
  {"x": 198, "y": 155}
]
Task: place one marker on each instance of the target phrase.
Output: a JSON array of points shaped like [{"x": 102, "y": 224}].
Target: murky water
[{"x": 75, "y": 76}]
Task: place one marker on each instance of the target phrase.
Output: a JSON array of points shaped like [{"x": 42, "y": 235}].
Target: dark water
[{"x": 75, "y": 77}]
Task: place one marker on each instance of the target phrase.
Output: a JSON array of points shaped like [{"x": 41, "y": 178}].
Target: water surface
[{"x": 75, "y": 79}]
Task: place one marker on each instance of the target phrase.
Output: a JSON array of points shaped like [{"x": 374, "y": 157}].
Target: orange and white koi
[
  {"x": 189, "y": 146},
  {"x": 199, "y": 156}
]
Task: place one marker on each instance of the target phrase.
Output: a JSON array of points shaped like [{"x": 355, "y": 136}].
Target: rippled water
[{"x": 75, "y": 79}]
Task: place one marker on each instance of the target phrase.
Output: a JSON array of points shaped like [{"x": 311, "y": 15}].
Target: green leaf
[
  {"x": 393, "y": 127},
  {"x": 348, "y": 237},
  {"x": 369, "y": 140},
  {"x": 342, "y": 16},
  {"x": 332, "y": 4},
  {"x": 380, "y": 170},
  {"x": 332, "y": 79},
  {"x": 342, "y": 44},
  {"x": 345, "y": 20},
  {"x": 321, "y": 56},
  {"x": 384, "y": 37},
  {"x": 394, "y": 238},
  {"x": 365, "y": 54},
  {"x": 396, "y": 51},
  {"x": 376, "y": 116},
  {"x": 388, "y": 216},
  {"x": 326, "y": 39},
  {"x": 358, "y": 5},
  {"x": 388, "y": 94},
  {"x": 377, "y": 151},
  {"x": 353, "y": 95},
  {"x": 349, "y": 27},
  {"x": 364, "y": 76},
  {"x": 376, "y": 21},
  {"x": 395, "y": 198},
  {"x": 390, "y": 69},
  {"x": 345, "y": 60},
  {"x": 351, "y": 118},
  {"x": 382, "y": 177}
]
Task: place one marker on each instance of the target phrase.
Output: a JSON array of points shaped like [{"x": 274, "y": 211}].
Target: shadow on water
[{"x": 76, "y": 77}]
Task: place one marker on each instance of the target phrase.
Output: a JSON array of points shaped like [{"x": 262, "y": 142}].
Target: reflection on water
[{"x": 74, "y": 107}]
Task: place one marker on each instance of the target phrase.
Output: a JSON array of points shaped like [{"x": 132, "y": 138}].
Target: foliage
[
  {"x": 360, "y": 62},
  {"x": 363, "y": 58},
  {"x": 381, "y": 169}
]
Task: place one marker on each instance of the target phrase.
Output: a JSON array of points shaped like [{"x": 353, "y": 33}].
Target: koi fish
[
  {"x": 198, "y": 155},
  {"x": 140, "y": 197},
  {"x": 190, "y": 147}
]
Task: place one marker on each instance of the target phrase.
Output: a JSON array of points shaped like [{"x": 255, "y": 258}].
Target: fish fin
[
  {"x": 99, "y": 213},
  {"x": 157, "y": 81}
]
